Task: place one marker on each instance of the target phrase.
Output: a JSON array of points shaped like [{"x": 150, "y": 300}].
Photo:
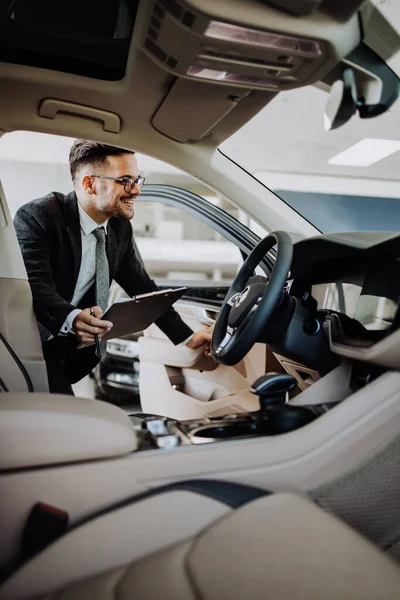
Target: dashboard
[
  {"x": 375, "y": 309},
  {"x": 353, "y": 280}
]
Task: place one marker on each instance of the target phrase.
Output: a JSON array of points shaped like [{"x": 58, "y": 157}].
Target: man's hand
[
  {"x": 201, "y": 337},
  {"x": 85, "y": 326}
]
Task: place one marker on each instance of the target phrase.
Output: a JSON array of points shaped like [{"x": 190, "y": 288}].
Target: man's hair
[{"x": 84, "y": 152}]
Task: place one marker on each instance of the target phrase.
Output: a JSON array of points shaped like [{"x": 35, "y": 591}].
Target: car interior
[{"x": 287, "y": 437}]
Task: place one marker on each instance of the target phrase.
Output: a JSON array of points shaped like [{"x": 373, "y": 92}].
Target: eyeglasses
[{"x": 127, "y": 182}]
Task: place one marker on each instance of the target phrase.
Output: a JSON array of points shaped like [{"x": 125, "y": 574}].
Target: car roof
[
  {"x": 122, "y": 91},
  {"x": 51, "y": 55}
]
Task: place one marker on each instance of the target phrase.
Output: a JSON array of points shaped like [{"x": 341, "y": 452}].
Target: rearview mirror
[
  {"x": 342, "y": 101},
  {"x": 368, "y": 86}
]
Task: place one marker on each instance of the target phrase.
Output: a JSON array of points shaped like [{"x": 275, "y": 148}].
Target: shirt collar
[{"x": 87, "y": 223}]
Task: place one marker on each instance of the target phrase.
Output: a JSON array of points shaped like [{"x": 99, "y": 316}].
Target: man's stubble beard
[
  {"x": 119, "y": 214},
  {"x": 123, "y": 216}
]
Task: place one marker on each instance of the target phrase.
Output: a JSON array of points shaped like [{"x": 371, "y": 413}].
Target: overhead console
[
  {"x": 245, "y": 44},
  {"x": 223, "y": 53}
]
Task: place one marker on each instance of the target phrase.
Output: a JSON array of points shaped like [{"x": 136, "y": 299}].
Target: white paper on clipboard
[{"x": 137, "y": 313}]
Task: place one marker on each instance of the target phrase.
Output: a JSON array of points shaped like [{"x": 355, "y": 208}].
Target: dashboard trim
[{"x": 385, "y": 353}]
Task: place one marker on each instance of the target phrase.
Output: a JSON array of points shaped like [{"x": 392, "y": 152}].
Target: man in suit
[{"x": 73, "y": 247}]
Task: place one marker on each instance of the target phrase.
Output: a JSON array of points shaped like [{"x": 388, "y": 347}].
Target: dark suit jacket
[{"x": 48, "y": 231}]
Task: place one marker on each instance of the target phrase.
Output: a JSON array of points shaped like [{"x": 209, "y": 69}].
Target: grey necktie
[{"x": 102, "y": 271}]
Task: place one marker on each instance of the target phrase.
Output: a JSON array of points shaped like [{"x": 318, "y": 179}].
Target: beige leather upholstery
[
  {"x": 39, "y": 429},
  {"x": 19, "y": 327},
  {"x": 18, "y": 323},
  {"x": 279, "y": 547},
  {"x": 181, "y": 383},
  {"x": 160, "y": 351},
  {"x": 117, "y": 538}
]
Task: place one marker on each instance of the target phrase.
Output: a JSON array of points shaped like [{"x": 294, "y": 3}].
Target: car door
[{"x": 184, "y": 239}]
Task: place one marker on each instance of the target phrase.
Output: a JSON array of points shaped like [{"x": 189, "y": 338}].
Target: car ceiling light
[
  {"x": 232, "y": 77},
  {"x": 365, "y": 153},
  {"x": 244, "y": 35}
]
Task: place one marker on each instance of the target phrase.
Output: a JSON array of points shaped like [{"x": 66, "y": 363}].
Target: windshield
[{"x": 286, "y": 147}]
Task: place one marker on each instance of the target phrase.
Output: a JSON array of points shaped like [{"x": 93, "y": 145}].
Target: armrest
[
  {"x": 164, "y": 352},
  {"x": 48, "y": 429}
]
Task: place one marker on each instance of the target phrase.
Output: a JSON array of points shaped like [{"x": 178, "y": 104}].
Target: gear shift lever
[
  {"x": 276, "y": 417},
  {"x": 271, "y": 388}
]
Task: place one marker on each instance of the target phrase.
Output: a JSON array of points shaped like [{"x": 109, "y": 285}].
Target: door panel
[{"x": 181, "y": 383}]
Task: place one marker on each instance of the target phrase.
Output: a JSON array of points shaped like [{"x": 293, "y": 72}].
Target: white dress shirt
[{"x": 87, "y": 270}]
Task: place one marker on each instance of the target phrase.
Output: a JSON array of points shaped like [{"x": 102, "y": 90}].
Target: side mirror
[{"x": 342, "y": 101}]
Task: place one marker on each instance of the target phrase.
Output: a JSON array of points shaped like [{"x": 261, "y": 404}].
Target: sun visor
[{"x": 192, "y": 108}]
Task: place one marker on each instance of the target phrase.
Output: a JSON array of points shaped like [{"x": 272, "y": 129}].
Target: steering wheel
[{"x": 248, "y": 306}]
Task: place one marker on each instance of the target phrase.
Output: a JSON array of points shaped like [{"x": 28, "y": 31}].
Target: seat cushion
[
  {"x": 280, "y": 546},
  {"x": 136, "y": 527}
]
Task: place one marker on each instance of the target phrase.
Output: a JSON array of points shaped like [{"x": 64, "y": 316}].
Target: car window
[
  {"x": 286, "y": 147},
  {"x": 176, "y": 245},
  {"x": 172, "y": 242},
  {"x": 33, "y": 164}
]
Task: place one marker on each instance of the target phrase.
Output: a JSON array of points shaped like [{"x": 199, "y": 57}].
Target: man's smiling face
[{"x": 110, "y": 197}]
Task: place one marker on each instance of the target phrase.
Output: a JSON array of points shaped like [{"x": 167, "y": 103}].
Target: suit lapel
[
  {"x": 71, "y": 216},
  {"x": 111, "y": 249}
]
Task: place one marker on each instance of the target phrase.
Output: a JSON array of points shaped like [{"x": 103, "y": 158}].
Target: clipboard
[{"x": 137, "y": 313}]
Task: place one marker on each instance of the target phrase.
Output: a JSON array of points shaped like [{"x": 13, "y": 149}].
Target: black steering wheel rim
[{"x": 231, "y": 351}]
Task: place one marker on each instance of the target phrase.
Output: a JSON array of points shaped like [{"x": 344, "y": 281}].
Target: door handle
[
  {"x": 203, "y": 316},
  {"x": 50, "y": 108}
]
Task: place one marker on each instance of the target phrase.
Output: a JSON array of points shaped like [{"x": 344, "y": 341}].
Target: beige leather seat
[{"x": 209, "y": 540}]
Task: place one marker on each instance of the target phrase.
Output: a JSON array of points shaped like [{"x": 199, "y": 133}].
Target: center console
[{"x": 275, "y": 417}]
